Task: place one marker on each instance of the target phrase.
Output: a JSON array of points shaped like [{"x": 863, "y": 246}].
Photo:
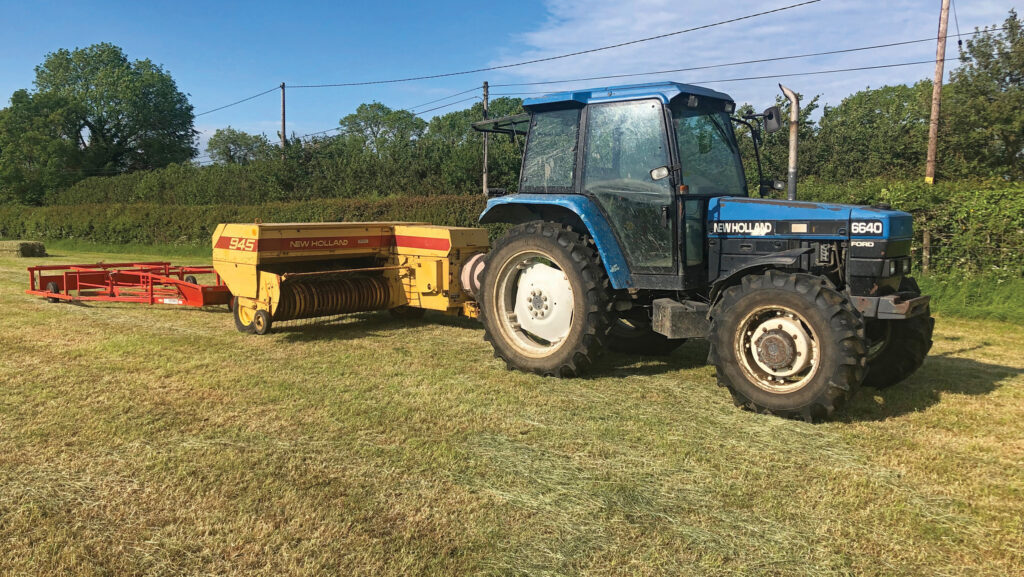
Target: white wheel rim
[
  {"x": 777, "y": 349},
  {"x": 534, "y": 303}
]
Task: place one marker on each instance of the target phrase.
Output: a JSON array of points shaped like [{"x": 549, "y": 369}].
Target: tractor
[{"x": 633, "y": 229}]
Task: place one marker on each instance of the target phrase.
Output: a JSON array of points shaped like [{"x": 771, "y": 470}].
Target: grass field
[{"x": 157, "y": 441}]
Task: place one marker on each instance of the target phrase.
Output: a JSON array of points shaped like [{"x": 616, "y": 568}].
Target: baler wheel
[
  {"x": 243, "y": 317},
  {"x": 787, "y": 344},
  {"x": 191, "y": 279},
  {"x": 261, "y": 322},
  {"x": 51, "y": 287}
]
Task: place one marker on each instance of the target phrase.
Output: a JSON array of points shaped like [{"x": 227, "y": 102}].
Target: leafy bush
[
  {"x": 976, "y": 227},
  {"x": 194, "y": 225}
]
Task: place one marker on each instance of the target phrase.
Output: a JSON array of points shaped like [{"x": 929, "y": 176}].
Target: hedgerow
[{"x": 148, "y": 223}]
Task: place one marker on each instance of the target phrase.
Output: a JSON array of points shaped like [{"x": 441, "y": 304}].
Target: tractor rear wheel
[
  {"x": 635, "y": 336},
  {"x": 897, "y": 348},
  {"x": 787, "y": 344},
  {"x": 544, "y": 300}
]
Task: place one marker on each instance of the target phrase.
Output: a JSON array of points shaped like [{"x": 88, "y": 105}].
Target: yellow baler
[{"x": 287, "y": 271}]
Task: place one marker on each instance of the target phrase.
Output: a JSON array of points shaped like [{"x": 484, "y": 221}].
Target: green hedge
[
  {"x": 976, "y": 227},
  {"x": 194, "y": 225}
]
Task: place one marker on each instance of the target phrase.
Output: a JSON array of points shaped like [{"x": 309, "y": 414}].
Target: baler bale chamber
[{"x": 288, "y": 271}]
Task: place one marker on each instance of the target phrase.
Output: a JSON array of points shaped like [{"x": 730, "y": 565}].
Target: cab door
[{"x": 624, "y": 142}]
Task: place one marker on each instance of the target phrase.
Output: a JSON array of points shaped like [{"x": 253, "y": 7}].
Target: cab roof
[{"x": 665, "y": 91}]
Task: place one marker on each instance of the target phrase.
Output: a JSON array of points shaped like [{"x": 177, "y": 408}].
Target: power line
[
  {"x": 445, "y": 105},
  {"x": 475, "y": 88},
  {"x": 769, "y": 76},
  {"x": 560, "y": 56},
  {"x": 239, "y": 101},
  {"x": 412, "y": 109},
  {"x": 725, "y": 64}
]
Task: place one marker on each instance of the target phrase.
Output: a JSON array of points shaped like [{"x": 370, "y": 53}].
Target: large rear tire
[
  {"x": 897, "y": 348},
  {"x": 544, "y": 300},
  {"x": 787, "y": 344}
]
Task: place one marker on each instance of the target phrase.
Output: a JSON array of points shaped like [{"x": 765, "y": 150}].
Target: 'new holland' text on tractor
[{"x": 634, "y": 229}]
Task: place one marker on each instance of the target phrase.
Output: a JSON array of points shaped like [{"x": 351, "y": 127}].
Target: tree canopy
[
  {"x": 230, "y": 146},
  {"x": 93, "y": 111}
]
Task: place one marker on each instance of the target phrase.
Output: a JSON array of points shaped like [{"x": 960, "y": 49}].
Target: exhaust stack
[{"x": 794, "y": 117}]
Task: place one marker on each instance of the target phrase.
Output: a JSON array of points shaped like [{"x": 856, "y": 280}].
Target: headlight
[
  {"x": 892, "y": 268},
  {"x": 906, "y": 266}
]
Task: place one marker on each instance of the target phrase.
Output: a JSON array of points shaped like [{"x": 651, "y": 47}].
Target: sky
[{"x": 221, "y": 52}]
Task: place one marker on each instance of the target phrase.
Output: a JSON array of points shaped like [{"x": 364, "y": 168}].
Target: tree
[
  {"x": 875, "y": 133},
  {"x": 38, "y": 150},
  {"x": 983, "y": 126},
  {"x": 230, "y": 146},
  {"x": 132, "y": 115}
]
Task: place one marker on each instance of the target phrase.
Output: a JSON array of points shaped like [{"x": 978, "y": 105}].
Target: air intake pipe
[{"x": 794, "y": 118}]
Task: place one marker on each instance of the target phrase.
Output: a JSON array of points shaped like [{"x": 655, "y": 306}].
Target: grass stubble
[{"x": 142, "y": 440}]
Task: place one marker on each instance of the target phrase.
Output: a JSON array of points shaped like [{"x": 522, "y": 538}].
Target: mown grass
[{"x": 153, "y": 441}]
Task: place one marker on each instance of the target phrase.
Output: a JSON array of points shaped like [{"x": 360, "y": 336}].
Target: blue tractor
[{"x": 634, "y": 230}]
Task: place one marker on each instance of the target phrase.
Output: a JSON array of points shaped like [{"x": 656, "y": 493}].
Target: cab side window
[{"x": 550, "y": 161}]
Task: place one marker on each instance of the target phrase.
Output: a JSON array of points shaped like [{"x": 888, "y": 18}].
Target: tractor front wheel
[
  {"x": 897, "y": 348},
  {"x": 544, "y": 300},
  {"x": 787, "y": 344}
]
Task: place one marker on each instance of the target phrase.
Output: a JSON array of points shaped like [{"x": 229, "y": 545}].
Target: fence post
[{"x": 926, "y": 252}]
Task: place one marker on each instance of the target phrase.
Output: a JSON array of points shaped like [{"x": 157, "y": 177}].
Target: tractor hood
[{"x": 737, "y": 217}]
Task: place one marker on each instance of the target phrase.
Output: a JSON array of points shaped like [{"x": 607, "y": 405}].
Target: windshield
[{"x": 708, "y": 153}]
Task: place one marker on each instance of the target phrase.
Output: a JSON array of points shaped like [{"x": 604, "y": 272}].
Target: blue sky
[{"x": 219, "y": 52}]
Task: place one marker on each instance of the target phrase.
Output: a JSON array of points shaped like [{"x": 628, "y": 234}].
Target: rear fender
[{"x": 573, "y": 209}]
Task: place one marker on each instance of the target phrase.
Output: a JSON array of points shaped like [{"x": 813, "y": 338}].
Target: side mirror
[
  {"x": 772, "y": 120},
  {"x": 659, "y": 173},
  {"x": 768, "y": 186}
]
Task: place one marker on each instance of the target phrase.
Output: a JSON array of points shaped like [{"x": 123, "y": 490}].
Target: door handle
[{"x": 664, "y": 216}]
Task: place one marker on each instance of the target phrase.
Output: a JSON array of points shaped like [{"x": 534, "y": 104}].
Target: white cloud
[{"x": 573, "y": 25}]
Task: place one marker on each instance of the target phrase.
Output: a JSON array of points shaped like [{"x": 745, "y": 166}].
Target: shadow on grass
[
  {"x": 941, "y": 373},
  {"x": 692, "y": 354},
  {"x": 359, "y": 325}
]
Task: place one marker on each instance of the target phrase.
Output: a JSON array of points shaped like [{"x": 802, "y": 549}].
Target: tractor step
[{"x": 681, "y": 320}]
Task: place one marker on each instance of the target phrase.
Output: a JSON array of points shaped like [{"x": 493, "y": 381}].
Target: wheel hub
[
  {"x": 544, "y": 302},
  {"x": 780, "y": 345},
  {"x": 776, "y": 349}
]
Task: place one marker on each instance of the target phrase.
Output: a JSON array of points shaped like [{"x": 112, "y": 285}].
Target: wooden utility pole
[
  {"x": 282, "y": 120},
  {"x": 933, "y": 124},
  {"x": 486, "y": 139}
]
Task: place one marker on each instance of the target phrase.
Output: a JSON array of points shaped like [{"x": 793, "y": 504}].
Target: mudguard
[
  {"x": 517, "y": 208},
  {"x": 782, "y": 259}
]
